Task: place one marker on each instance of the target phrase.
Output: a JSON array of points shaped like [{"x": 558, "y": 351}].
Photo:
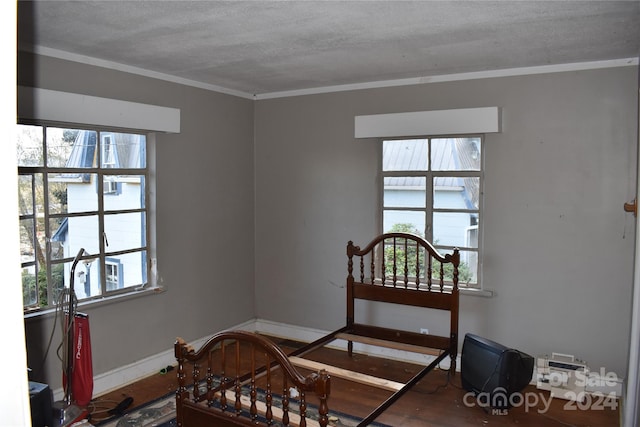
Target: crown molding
[
  {"x": 88, "y": 60},
  {"x": 508, "y": 72}
]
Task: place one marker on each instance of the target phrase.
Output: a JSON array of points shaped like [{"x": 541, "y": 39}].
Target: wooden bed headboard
[{"x": 405, "y": 269}]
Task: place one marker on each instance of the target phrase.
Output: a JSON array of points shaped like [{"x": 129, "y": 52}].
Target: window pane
[
  {"x": 29, "y": 286},
  {"x": 123, "y": 192},
  {"x": 34, "y": 285},
  {"x": 29, "y": 147},
  {"x": 456, "y": 192},
  {"x": 404, "y": 155},
  {"x": 28, "y": 263},
  {"x": 32, "y": 233},
  {"x": 87, "y": 278},
  {"x": 133, "y": 268},
  {"x": 75, "y": 233},
  {"x": 451, "y": 154},
  {"x": 41, "y": 238},
  {"x": 404, "y": 221},
  {"x": 455, "y": 229},
  {"x": 124, "y": 231},
  {"x": 72, "y": 193},
  {"x": 57, "y": 196},
  {"x": 122, "y": 150},
  {"x": 113, "y": 276},
  {"x": 405, "y": 191},
  {"x": 25, "y": 193},
  {"x": 58, "y": 282},
  {"x": 468, "y": 268},
  {"x": 71, "y": 148},
  {"x": 126, "y": 270},
  {"x": 27, "y": 251},
  {"x": 64, "y": 270},
  {"x": 58, "y": 229}
]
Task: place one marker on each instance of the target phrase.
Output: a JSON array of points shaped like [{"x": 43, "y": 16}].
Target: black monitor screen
[{"x": 489, "y": 367}]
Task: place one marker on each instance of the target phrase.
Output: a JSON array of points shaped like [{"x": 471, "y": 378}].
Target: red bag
[{"x": 82, "y": 371}]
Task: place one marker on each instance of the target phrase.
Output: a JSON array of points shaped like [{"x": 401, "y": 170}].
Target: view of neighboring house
[{"x": 123, "y": 230}]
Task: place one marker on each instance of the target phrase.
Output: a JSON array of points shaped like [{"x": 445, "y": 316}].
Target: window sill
[
  {"x": 97, "y": 302},
  {"x": 477, "y": 292}
]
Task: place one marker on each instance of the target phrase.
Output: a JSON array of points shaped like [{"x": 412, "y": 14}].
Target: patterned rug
[
  {"x": 158, "y": 413},
  {"x": 162, "y": 413}
]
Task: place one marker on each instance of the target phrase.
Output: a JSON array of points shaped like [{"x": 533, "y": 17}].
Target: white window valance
[
  {"x": 437, "y": 122},
  {"x": 56, "y": 106}
]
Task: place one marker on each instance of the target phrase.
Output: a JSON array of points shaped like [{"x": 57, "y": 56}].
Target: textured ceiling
[{"x": 276, "y": 46}]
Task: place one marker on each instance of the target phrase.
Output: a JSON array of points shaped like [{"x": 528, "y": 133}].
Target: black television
[{"x": 493, "y": 372}]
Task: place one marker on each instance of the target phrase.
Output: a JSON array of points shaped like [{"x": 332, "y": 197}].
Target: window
[
  {"x": 432, "y": 187},
  {"x": 110, "y": 186},
  {"x": 108, "y": 152},
  {"x": 82, "y": 196},
  {"x": 113, "y": 267}
]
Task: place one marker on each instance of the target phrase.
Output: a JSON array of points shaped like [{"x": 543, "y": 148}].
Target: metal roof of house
[
  {"x": 448, "y": 154},
  {"x": 403, "y": 155},
  {"x": 125, "y": 154}
]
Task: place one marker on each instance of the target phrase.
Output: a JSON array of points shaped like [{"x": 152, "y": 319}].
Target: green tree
[
  {"x": 32, "y": 236},
  {"x": 29, "y": 283},
  {"x": 416, "y": 262}
]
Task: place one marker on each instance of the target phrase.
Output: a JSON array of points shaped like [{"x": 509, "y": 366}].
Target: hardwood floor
[{"x": 437, "y": 400}]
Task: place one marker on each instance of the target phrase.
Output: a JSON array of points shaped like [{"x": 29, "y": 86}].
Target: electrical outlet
[{"x": 424, "y": 331}]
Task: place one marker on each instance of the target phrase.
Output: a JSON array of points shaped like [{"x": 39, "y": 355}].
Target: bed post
[
  {"x": 323, "y": 388},
  {"x": 350, "y": 304},
  {"x": 181, "y": 392}
]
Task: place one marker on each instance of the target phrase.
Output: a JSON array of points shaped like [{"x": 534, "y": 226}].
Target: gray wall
[
  {"x": 271, "y": 217},
  {"x": 558, "y": 245},
  {"x": 205, "y": 222}
]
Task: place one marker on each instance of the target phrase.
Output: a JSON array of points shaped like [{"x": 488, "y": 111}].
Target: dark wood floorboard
[{"x": 437, "y": 400}]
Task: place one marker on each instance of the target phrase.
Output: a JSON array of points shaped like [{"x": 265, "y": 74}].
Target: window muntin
[
  {"x": 432, "y": 187},
  {"x": 67, "y": 202}
]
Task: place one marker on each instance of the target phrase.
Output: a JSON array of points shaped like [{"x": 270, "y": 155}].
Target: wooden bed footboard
[{"x": 242, "y": 378}]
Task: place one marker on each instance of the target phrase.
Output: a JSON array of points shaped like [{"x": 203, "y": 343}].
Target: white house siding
[{"x": 83, "y": 232}]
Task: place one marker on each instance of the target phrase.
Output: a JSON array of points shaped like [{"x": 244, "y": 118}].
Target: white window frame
[
  {"x": 460, "y": 121},
  {"x": 103, "y": 256},
  {"x": 429, "y": 174}
]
